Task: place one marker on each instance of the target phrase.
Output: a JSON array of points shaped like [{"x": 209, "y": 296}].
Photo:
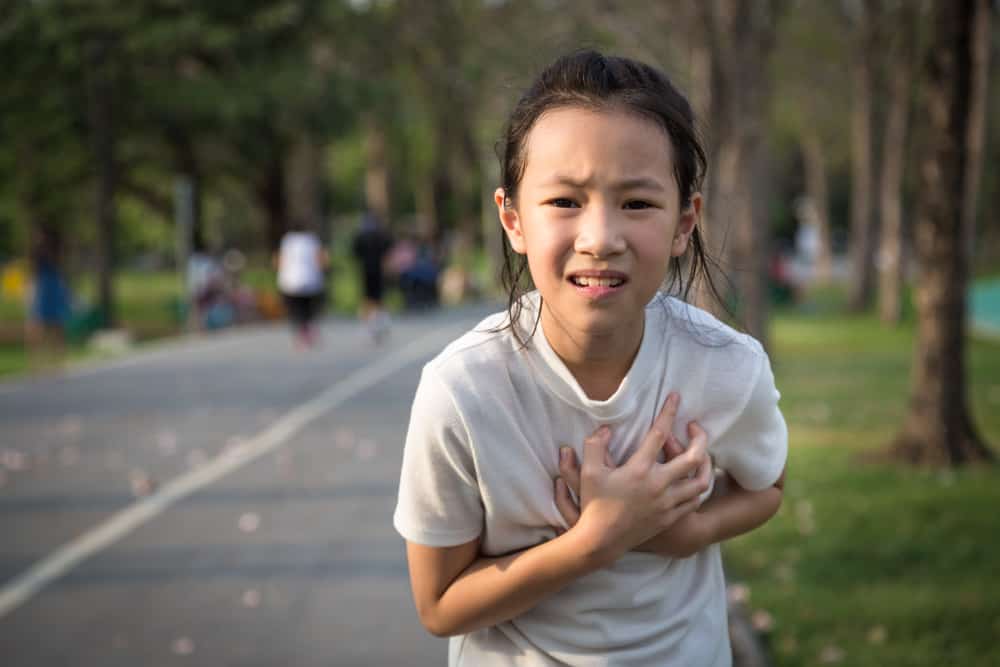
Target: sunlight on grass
[{"x": 873, "y": 564}]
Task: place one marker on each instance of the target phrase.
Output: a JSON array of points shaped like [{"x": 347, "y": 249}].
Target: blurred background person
[
  {"x": 50, "y": 303},
  {"x": 371, "y": 245},
  {"x": 206, "y": 284},
  {"x": 301, "y": 262}
]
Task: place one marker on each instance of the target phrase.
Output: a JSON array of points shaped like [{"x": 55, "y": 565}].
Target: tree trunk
[
  {"x": 705, "y": 78},
  {"x": 377, "y": 192},
  {"x": 938, "y": 428},
  {"x": 890, "y": 255},
  {"x": 739, "y": 34},
  {"x": 302, "y": 181},
  {"x": 491, "y": 230},
  {"x": 861, "y": 233},
  {"x": 426, "y": 204},
  {"x": 814, "y": 158},
  {"x": 187, "y": 165},
  {"x": 102, "y": 122},
  {"x": 271, "y": 194},
  {"x": 978, "y": 74}
]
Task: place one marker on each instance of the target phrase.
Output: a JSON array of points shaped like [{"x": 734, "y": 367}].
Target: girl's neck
[{"x": 598, "y": 362}]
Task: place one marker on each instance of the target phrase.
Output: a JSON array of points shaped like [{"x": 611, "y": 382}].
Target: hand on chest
[{"x": 517, "y": 473}]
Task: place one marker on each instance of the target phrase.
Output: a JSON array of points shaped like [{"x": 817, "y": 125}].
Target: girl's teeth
[{"x": 586, "y": 281}]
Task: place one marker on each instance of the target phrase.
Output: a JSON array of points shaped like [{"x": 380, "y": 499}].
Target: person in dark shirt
[{"x": 371, "y": 244}]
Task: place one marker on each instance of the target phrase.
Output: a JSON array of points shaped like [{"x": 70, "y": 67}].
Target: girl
[{"x": 601, "y": 171}]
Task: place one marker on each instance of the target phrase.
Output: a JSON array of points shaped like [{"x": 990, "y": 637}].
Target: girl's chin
[{"x": 608, "y": 325}]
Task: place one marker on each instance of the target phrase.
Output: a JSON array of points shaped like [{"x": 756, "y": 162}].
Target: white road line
[{"x": 71, "y": 554}]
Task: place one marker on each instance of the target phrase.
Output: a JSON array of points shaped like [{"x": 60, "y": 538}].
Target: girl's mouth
[
  {"x": 588, "y": 281},
  {"x": 597, "y": 284}
]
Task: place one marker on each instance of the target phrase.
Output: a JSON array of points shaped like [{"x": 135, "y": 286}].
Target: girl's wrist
[{"x": 594, "y": 551}]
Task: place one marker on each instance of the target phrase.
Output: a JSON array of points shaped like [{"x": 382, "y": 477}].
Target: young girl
[{"x": 601, "y": 171}]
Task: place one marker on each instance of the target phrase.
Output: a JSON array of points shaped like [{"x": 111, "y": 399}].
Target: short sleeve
[
  {"x": 754, "y": 448},
  {"x": 439, "y": 503}
]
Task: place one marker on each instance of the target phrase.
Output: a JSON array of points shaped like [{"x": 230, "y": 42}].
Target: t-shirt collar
[{"x": 561, "y": 382}]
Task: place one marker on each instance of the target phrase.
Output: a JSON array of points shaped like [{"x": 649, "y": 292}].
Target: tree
[
  {"x": 863, "y": 17},
  {"x": 812, "y": 109},
  {"x": 938, "y": 428},
  {"x": 740, "y": 38},
  {"x": 890, "y": 252}
]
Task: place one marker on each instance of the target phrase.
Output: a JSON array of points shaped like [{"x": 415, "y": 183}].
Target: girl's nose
[{"x": 599, "y": 233}]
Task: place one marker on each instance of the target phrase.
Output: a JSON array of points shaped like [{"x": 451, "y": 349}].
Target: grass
[
  {"x": 149, "y": 305},
  {"x": 889, "y": 565}
]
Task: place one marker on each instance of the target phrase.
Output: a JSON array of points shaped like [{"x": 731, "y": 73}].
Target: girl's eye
[
  {"x": 563, "y": 202},
  {"x": 637, "y": 205}
]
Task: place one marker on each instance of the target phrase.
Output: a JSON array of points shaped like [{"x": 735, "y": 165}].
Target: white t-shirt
[
  {"x": 299, "y": 270},
  {"x": 481, "y": 455}
]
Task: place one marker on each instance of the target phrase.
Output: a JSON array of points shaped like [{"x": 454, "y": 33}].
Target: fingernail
[
  {"x": 674, "y": 398},
  {"x": 564, "y": 454},
  {"x": 560, "y": 484},
  {"x": 604, "y": 431}
]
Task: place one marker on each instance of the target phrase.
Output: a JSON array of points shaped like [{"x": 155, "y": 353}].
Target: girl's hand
[
  {"x": 621, "y": 508},
  {"x": 688, "y": 535}
]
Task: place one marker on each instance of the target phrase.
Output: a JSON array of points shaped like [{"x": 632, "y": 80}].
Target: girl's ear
[
  {"x": 510, "y": 220},
  {"x": 685, "y": 226}
]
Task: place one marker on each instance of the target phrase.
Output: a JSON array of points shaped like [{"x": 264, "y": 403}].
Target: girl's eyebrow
[{"x": 638, "y": 183}]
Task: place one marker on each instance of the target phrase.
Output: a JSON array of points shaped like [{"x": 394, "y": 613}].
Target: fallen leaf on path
[
  {"x": 367, "y": 449},
  {"x": 142, "y": 484},
  {"x": 115, "y": 460},
  {"x": 249, "y": 522},
  {"x": 344, "y": 439},
  {"x": 14, "y": 460},
  {"x": 166, "y": 442},
  {"x": 69, "y": 455},
  {"x": 182, "y": 646},
  {"x": 235, "y": 442},
  {"x": 70, "y": 427},
  {"x": 196, "y": 458}
]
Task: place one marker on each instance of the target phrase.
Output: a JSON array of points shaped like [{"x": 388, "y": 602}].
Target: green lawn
[
  {"x": 885, "y": 565},
  {"x": 149, "y": 306}
]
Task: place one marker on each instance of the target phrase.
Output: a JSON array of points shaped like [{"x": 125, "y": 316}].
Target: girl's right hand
[{"x": 620, "y": 508}]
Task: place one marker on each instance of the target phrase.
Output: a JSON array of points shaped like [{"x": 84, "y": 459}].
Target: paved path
[{"x": 267, "y": 539}]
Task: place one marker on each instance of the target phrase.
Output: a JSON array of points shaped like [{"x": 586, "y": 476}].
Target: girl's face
[{"x": 598, "y": 215}]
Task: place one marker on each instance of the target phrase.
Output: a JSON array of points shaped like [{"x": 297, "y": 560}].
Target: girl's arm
[
  {"x": 456, "y": 591},
  {"x": 731, "y": 511}
]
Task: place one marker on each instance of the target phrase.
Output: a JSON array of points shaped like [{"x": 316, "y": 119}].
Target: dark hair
[{"x": 594, "y": 81}]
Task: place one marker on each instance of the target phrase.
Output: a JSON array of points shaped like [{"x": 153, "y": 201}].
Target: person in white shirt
[
  {"x": 552, "y": 514},
  {"x": 301, "y": 262}
]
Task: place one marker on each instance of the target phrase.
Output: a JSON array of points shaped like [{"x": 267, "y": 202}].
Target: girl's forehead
[{"x": 581, "y": 140}]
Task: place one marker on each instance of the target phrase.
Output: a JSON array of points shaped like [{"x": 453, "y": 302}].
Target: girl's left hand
[{"x": 684, "y": 538}]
